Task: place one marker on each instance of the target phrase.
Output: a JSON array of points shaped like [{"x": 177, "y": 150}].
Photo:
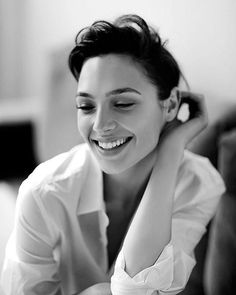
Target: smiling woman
[
  {"x": 117, "y": 96},
  {"x": 123, "y": 212}
]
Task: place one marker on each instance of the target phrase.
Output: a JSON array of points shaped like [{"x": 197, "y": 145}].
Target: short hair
[{"x": 129, "y": 35}]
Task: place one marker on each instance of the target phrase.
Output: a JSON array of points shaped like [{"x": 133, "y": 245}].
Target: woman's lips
[{"x": 109, "y": 145}]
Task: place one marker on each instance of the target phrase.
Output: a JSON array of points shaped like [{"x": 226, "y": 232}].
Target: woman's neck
[{"x": 129, "y": 185}]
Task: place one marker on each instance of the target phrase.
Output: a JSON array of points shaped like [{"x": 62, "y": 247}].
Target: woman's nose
[{"x": 104, "y": 121}]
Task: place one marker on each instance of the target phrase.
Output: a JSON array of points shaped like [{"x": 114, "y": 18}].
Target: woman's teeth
[{"x": 111, "y": 145}]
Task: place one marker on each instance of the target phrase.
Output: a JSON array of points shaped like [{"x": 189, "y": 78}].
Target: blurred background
[{"x": 37, "y": 107}]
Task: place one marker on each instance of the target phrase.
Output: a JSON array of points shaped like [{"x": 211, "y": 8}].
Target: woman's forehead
[{"x": 113, "y": 71}]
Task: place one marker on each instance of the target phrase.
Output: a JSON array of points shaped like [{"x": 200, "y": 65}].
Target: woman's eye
[
  {"x": 124, "y": 105},
  {"x": 85, "y": 108}
]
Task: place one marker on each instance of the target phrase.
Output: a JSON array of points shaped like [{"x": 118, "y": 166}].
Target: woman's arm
[
  {"x": 97, "y": 289},
  {"x": 154, "y": 214},
  {"x": 153, "y": 217}
]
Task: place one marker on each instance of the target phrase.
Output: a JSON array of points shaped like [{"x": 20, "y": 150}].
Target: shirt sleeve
[
  {"x": 198, "y": 191},
  {"x": 29, "y": 266}
]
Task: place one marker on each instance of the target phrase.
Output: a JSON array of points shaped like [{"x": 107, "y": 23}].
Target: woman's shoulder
[
  {"x": 56, "y": 185},
  {"x": 198, "y": 180},
  {"x": 61, "y": 168},
  {"x": 196, "y": 165}
]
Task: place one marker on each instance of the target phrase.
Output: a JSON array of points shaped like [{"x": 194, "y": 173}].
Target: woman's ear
[{"x": 171, "y": 105}]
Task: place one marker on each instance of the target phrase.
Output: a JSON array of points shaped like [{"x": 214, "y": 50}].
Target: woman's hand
[
  {"x": 184, "y": 132},
  {"x": 98, "y": 289}
]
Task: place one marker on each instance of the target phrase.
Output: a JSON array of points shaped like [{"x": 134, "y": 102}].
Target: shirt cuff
[{"x": 156, "y": 277}]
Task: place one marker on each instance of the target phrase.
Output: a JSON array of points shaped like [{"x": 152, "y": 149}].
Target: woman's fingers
[{"x": 196, "y": 103}]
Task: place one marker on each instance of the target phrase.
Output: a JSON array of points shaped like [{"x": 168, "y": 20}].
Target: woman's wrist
[{"x": 171, "y": 147}]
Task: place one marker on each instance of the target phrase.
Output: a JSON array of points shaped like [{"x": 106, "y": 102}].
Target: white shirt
[{"x": 59, "y": 243}]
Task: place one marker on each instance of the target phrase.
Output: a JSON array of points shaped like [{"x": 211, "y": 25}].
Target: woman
[{"x": 123, "y": 212}]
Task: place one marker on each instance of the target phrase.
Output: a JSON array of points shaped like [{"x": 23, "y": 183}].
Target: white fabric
[
  {"x": 7, "y": 209},
  {"x": 58, "y": 245}
]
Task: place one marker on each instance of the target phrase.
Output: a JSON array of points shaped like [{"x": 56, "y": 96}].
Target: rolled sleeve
[{"x": 164, "y": 275}]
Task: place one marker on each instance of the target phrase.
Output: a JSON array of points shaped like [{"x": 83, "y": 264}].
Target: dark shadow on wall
[{"x": 17, "y": 150}]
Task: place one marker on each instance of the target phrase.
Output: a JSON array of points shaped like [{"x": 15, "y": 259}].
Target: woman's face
[{"x": 119, "y": 114}]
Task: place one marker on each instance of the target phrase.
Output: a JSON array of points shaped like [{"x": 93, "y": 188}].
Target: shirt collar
[{"x": 91, "y": 195}]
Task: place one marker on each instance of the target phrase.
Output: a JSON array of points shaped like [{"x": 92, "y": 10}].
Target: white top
[{"x": 58, "y": 245}]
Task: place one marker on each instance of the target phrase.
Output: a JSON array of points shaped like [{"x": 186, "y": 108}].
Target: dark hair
[{"x": 129, "y": 35}]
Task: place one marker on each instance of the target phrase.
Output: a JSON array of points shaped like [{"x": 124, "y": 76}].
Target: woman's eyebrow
[
  {"x": 122, "y": 90},
  {"x": 84, "y": 94},
  {"x": 112, "y": 92}
]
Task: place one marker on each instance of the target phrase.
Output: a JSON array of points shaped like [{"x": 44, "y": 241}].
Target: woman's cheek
[{"x": 83, "y": 127}]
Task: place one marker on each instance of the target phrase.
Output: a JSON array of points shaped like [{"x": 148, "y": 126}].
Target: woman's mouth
[{"x": 112, "y": 145}]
